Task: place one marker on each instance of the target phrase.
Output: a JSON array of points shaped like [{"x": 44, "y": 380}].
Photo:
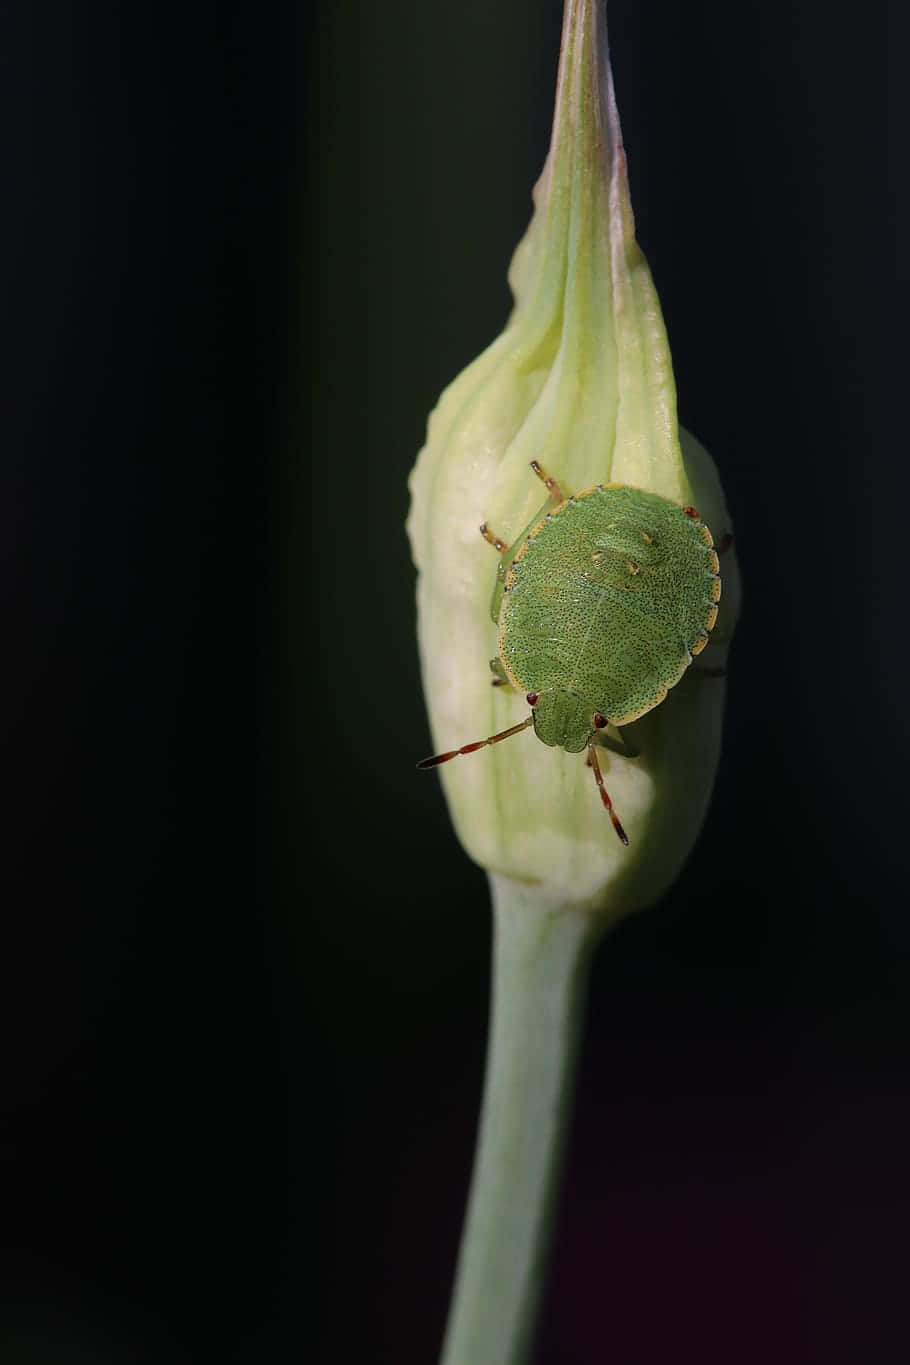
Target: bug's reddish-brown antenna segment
[
  {"x": 478, "y": 744},
  {"x": 604, "y": 795}
]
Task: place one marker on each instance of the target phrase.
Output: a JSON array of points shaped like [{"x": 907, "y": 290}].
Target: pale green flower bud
[{"x": 580, "y": 380}]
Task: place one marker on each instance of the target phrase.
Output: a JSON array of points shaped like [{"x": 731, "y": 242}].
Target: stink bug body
[{"x": 600, "y": 605}]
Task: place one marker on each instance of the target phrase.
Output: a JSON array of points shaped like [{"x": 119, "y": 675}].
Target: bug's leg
[
  {"x": 604, "y": 795},
  {"x": 549, "y": 482},
  {"x": 500, "y": 546},
  {"x": 501, "y": 677},
  {"x": 436, "y": 759},
  {"x": 509, "y": 551},
  {"x": 492, "y": 539}
]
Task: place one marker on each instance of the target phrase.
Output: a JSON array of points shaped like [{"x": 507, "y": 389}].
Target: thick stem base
[{"x": 539, "y": 969}]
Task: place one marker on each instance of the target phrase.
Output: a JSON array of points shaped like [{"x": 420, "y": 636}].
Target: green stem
[{"x": 540, "y": 956}]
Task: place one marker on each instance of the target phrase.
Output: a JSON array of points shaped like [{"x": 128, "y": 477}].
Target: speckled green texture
[{"x": 604, "y": 604}]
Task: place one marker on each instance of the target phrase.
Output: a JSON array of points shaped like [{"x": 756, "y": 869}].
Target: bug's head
[{"x": 561, "y": 719}]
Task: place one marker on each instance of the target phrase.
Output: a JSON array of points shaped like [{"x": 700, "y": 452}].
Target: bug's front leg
[{"x": 500, "y": 676}]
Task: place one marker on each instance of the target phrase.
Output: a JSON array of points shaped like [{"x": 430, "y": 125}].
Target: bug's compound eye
[
  {"x": 532, "y": 698},
  {"x": 599, "y": 720}
]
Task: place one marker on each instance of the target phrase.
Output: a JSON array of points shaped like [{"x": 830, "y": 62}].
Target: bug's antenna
[
  {"x": 478, "y": 744},
  {"x": 604, "y": 795}
]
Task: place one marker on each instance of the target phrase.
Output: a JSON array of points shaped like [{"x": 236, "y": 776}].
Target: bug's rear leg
[
  {"x": 493, "y": 539},
  {"x": 548, "y": 481},
  {"x": 556, "y": 496},
  {"x": 508, "y": 551}
]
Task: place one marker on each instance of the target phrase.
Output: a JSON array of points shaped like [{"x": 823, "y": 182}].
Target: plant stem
[{"x": 540, "y": 957}]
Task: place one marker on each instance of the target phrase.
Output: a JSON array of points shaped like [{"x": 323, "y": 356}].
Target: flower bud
[{"x": 580, "y": 380}]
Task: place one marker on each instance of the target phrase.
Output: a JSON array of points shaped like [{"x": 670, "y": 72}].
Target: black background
[{"x": 244, "y": 961}]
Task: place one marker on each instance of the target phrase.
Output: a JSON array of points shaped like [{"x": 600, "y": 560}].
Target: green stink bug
[{"x": 601, "y": 604}]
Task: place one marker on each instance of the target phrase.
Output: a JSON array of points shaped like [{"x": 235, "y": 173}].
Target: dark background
[{"x": 244, "y": 962}]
